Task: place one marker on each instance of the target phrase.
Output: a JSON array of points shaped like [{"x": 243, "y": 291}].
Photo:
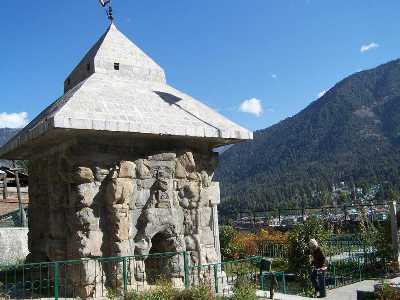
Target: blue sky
[{"x": 278, "y": 54}]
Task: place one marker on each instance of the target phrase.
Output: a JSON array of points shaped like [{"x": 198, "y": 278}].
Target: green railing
[
  {"x": 90, "y": 277},
  {"x": 98, "y": 277},
  {"x": 347, "y": 245},
  {"x": 340, "y": 273},
  {"x": 272, "y": 249},
  {"x": 273, "y": 281},
  {"x": 223, "y": 276},
  {"x": 355, "y": 269}
]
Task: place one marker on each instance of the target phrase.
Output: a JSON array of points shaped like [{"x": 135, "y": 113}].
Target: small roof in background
[{"x": 118, "y": 88}]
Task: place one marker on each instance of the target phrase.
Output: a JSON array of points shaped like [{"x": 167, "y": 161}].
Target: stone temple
[{"x": 122, "y": 164}]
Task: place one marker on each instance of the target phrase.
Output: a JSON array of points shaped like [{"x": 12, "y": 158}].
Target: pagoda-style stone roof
[{"x": 118, "y": 88}]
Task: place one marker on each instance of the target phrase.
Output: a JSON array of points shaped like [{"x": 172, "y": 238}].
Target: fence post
[
  {"x": 186, "y": 269},
  {"x": 279, "y": 216},
  {"x": 5, "y": 194},
  {"x": 359, "y": 268},
  {"x": 56, "y": 280},
  {"x": 334, "y": 276},
  {"x": 285, "y": 290},
  {"x": 22, "y": 215},
  {"x": 125, "y": 276},
  {"x": 349, "y": 247},
  {"x": 364, "y": 251},
  {"x": 216, "y": 278},
  {"x": 395, "y": 237}
]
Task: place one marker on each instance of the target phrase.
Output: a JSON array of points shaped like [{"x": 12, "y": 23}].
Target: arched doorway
[{"x": 163, "y": 262}]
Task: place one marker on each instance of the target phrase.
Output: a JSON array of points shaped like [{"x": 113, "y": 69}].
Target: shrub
[
  {"x": 226, "y": 235},
  {"x": 299, "y": 238},
  {"x": 244, "y": 290},
  {"x": 235, "y": 244},
  {"x": 110, "y": 293},
  {"x": 202, "y": 292},
  {"x": 272, "y": 235},
  {"x": 165, "y": 291},
  {"x": 370, "y": 234},
  {"x": 387, "y": 292},
  {"x": 244, "y": 244}
]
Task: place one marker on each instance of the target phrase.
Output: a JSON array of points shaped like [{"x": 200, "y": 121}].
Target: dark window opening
[
  {"x": 116, "y": 66},
  {"x": 68, "y": 81},
  {"x": 88, "y": 67}
]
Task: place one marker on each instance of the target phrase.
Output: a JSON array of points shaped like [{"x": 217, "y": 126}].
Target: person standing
[{"x": 318, "y": 269}]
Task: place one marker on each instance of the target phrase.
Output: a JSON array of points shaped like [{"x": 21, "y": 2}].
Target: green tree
[
  {"x": 299, "y": 238},
  {"x": 226, "y": 234}
]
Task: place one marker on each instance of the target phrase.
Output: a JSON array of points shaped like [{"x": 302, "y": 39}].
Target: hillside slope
[
  {"x": 350, "y": 134},
  {"x": 6, "y": 134}
]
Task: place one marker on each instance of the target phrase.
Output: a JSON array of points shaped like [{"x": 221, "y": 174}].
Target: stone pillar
[
  {"x": 119, "y": 202},
  {"x": 38, "y": 210},
  {"x": 216, "y": 232}
]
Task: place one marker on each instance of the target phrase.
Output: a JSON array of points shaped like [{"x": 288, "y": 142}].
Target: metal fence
[
  {"x": 90, "y": 277},
  {"x": 340, "y": 248},
  {"x": 340, "y": 273},
  {"x": 97, "y": 278},
  {"x": 287, "y": 218},
  {"x": 349, "y": 258},
  {"x": 272, "y": 249},
  {"x": 336, "y": 247},
  {"x": 223, "y": 276},
  {"x": 102, "y": 277},
  {"x": 354, "y": 269}
]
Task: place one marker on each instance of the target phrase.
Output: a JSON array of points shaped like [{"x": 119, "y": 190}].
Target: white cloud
[
  {"x": 251, "y": 106},
  {"x": 274, "y": 76},
  {"x": 320, "y": 94},
  {"x": 367, "y": 47},
  {"x": 13, "y": 120}
]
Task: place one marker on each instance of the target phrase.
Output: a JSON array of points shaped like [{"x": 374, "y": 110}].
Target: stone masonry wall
[
  {"x": 13, "y": 245},
  {"x": 96, "y": 200}
]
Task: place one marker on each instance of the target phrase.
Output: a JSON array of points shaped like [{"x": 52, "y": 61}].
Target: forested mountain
[
  {"x": 350, "y": 134},
  {"x": 6, "y": 134}
]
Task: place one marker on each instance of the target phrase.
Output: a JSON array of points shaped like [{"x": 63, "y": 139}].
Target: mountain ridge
[
  {"x": 6, "y": 134},
  {"x": 351, "y": 133}
]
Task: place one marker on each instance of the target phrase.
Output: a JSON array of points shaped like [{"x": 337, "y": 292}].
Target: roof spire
[{"x": 109, "y": 10}]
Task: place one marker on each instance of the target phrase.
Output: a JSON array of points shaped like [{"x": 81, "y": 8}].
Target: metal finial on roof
[{"x": 109, "y": 10}]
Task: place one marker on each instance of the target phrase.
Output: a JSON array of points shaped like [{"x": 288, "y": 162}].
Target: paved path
[
  {"x": 279, "y": 296},
  {"x": 348, "y": 292}
]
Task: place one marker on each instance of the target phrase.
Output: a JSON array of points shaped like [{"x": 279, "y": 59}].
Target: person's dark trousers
[
  {"x": 314, "y": 281},
  {"x": 321, "y": 274},
  {"x": 318, "y": 281}
]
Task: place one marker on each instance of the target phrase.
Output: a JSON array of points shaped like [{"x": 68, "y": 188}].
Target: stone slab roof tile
[{"x": 117, "y": 87}]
